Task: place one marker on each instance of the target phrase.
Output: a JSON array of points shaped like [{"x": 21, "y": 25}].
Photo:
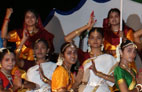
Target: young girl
[
  {"x": 82, "y": 56},
  {"x": 125, "y": 76},
  {"x": 9, "y": 82},
  {"x": 41, "y": 72},
  {"x": 112, "y": 31},
  {"x": 99, "y": 67},
  {"x": 32, "y": 28},
  {"x": 62, "y": 78}
]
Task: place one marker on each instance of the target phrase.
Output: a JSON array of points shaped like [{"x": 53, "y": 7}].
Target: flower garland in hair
[{"x": 60, "y": 60}]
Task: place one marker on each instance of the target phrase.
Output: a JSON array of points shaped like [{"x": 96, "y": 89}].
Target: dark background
[{"x": 42, "y": 7}]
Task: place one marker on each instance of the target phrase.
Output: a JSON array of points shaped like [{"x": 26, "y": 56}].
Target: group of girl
[{"x": 98, "y": 71}]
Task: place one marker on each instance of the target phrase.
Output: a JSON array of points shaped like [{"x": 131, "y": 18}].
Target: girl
[
  {"x": 82, "y": 56},
  {"x": 125, "y": 76},
  {"x": 62, "y": 78},
  {"x": 99, "y": 67},
  {"x": 34, "y": 30},
  {"x": 111, "y": 26},
  {"x": 9, "y": 82},
  {"x": 42, "y": 71}
]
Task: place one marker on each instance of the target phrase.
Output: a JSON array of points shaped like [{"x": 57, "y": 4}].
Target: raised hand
[
  {"x": 91, "y": 21},
  {"x": 9, "y": 11}
]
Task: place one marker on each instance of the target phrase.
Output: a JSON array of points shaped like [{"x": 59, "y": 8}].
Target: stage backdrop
[{"x": 61, "y": 23}]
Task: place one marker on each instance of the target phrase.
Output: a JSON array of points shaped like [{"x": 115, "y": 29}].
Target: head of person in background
[
  {"x": 7, "y": 60},
  {"x": 95, "y": 40},
  {"x": 41, "y": 50},
  {"x": 113, "y": 19},
  {"x": 32, "y": 22},
  {"x": 114, "y": 16}
]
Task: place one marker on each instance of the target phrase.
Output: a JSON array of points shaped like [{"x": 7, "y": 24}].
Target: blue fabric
[
  {"x": 101, "y": 1},
  {"x": 1, "y": 41},
  {"x": 64, "y": 12},
  {"x": 81, "y": 3}
]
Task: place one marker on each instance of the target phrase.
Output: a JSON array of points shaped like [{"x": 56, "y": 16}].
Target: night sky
[{"x": 43, "y": 8}]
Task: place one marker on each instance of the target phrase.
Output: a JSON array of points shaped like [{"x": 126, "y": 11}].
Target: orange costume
[
  {"x": 27, "y": 50},
  {"x": 61, "y": 79},
  {"x": 111, "y": 39}
]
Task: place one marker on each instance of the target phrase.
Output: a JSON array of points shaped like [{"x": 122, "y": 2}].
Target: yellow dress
[
  {"x": 26, "y": 53},
  {"x": 61, "y": 79}
]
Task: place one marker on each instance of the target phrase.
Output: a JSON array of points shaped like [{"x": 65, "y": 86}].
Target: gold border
[
  {"x": 132, "y": 85},
  {"x": 120, "y": 81}
]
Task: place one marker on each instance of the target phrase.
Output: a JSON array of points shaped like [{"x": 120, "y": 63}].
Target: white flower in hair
[
  {"x": 1, "y": 49},
  {"x": 60, "y": 60}
]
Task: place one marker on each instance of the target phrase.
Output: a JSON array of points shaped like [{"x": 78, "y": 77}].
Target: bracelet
[
  {"x": 139, "y": 87},
  {"x": 44, "y": 79},
  {"x": 10, "y": 89},
  {"x": 18, "y": 50},
  {"x": 76, "y": 32}
]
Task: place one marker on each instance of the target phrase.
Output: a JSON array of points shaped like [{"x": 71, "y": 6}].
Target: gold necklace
[
  {"x": 95, "y": 55},
  {"x": 8, "y": 76},
  {"x": 69, "y": 72},
  {"x": 128, "y": 70}
]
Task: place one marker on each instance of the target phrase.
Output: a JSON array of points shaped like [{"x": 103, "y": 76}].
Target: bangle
[
  {"x": 18, "y": 50},
  {"x": 10, "y": 89},
  {"x": 44, "y": 79},
  {"x": 139, "y": 87},
  {"x": 76, "y": 32}
]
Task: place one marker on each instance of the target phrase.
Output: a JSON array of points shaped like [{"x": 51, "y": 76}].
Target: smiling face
[
  {"x": 95, "y": 39},
  {"x": 8, "y": 61},
  {"x": 30, "y": 19},
  {"x": 70, "y": 55},
  {"x": 129, "y": 53},
  {"x": 114, "y": 18}
]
